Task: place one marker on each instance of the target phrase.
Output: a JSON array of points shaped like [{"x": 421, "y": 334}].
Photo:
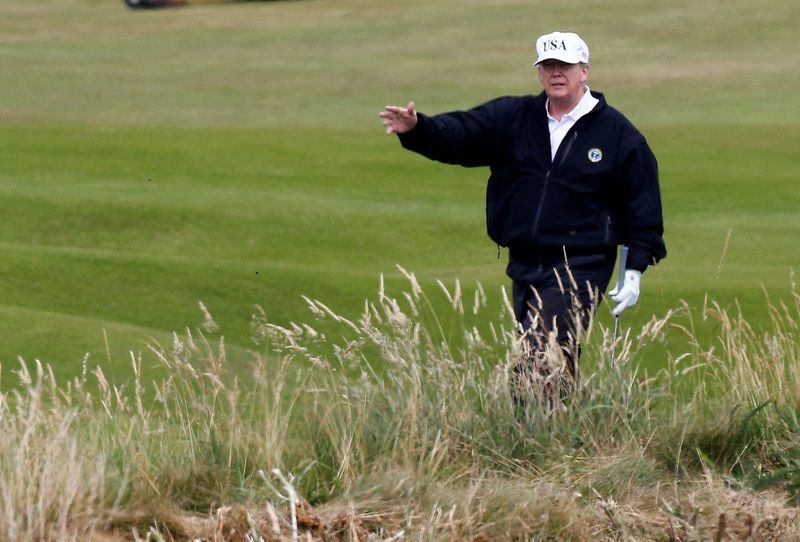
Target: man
[{"x": 571, "y": 178}]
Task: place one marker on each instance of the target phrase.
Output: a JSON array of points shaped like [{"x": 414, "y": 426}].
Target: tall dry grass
[{"x": 400, "y": 424}]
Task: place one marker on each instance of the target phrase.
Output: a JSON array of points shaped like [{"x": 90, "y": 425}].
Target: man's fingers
[
  {"x": 627, "y": 297},
  {"x": 397, "y": 110},
  {"x": 624, "y": 303},
  {"x": 621, "y": 307},
  {"x": 389, "y": 116},
  {"x": 622, "y": 294},
  {"x": 398, "y": 119}
]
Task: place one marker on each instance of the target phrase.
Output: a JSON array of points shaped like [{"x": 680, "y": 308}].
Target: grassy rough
[{"x": 406, "y": 424}]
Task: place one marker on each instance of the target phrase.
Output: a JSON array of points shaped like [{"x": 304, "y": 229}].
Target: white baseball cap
[{"x": 564, "y": 46}]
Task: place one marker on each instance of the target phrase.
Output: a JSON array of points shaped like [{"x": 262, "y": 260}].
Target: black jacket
[{"x": 601, "y": 189}]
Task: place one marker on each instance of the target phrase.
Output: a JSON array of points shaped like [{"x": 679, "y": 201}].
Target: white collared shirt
[{"x": 559, "y": 128}]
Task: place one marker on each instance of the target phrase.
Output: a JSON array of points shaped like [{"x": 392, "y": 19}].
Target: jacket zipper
[{"x": 547, "y": 182}]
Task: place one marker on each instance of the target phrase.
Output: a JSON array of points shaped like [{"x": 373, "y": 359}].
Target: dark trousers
[{"x": 556, "y": 291}]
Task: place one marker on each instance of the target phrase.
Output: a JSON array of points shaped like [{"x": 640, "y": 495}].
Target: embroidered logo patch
[{"x": 595, "y": 155}]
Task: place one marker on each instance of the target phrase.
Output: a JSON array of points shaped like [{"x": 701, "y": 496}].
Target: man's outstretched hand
[{"x": 399, "y": 119}]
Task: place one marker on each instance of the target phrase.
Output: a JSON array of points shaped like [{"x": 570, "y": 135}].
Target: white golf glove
[{"x": 628, "y": 295}]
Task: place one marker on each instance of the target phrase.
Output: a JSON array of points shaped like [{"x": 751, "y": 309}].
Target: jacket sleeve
[
  {"x": 466, "y": 138},
  {"x": 641, "y": 216}
]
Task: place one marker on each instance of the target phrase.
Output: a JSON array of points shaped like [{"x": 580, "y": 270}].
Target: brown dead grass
[{"x": 686, "y": 511}]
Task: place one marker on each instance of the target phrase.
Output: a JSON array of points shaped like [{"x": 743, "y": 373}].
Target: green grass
[{"x": 232, "y": 154}]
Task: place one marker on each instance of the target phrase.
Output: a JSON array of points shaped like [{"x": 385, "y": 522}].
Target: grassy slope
[{"x": 232, "y": 154}]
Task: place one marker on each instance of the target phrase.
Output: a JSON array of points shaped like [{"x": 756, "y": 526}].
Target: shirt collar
[{"x": 586, "y": 104}]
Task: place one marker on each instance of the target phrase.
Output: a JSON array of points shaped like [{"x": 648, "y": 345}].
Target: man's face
[{"x": 562, "y": 81}]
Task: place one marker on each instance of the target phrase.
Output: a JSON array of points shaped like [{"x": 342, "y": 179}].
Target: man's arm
[
  {"x": 642, "y": 216},
  {"x": 466, "y": 138},
  {"x": 641, "y": 221}
]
